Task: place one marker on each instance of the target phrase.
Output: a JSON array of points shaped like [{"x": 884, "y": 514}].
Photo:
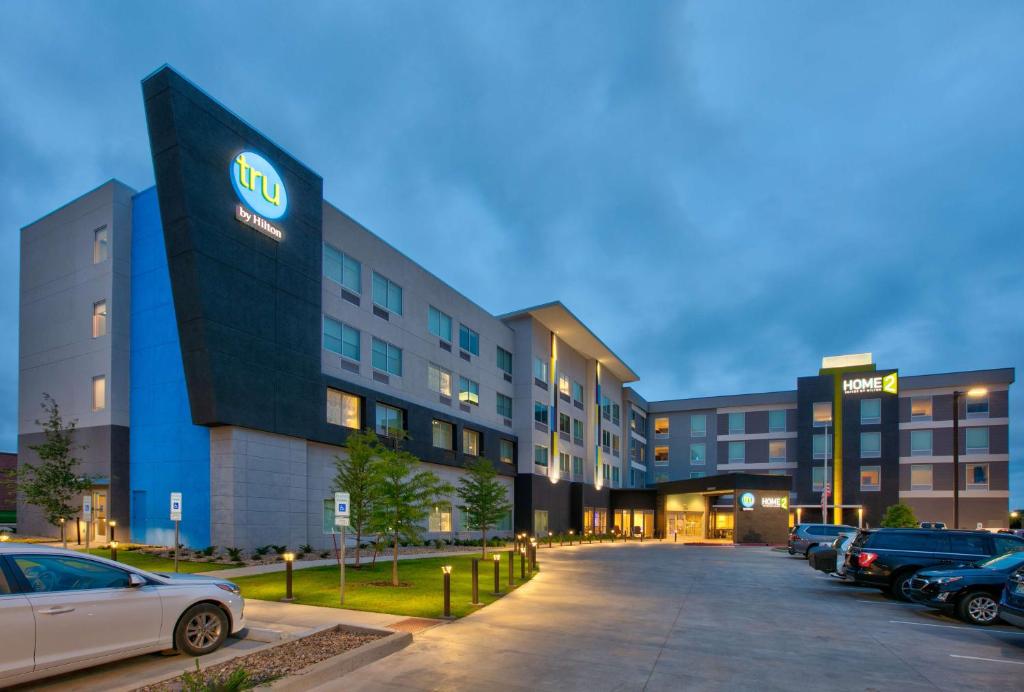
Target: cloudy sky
[{"x": 724, "y": 191}]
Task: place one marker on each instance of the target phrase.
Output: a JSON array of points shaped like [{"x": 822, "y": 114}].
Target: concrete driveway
[{"x": 670, "y": 617}]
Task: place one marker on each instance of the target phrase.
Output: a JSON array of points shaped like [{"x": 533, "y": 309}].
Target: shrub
[
  {"x": 209, "y": 550},
  {"x": 324, "y": 554},
  {"x": 280, "y": 549},
  {"x": 235, "y": 554},
  {"x": 261, "y": 551},
  {"x": 305, "y": 548},
  {"x": 238, "y": 679},
  {"x": 438, "y": 543},
  {"x": 899, "y": 516}
]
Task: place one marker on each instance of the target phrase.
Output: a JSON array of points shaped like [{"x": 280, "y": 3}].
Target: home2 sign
[
  {"x": 261, "y": 192},
  {"x": 872, "y": 384}
]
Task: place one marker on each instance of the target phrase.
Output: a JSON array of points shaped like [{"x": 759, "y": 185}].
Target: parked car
[
  {"x": 832, "y": 559},
  {"x": 888, "y": 558},
  {"x": 62, "y": 610},
  {"x": 971, "y": 592},
  {"x": 803, "y": 537},
  {"x": 1011, "y": 605}
]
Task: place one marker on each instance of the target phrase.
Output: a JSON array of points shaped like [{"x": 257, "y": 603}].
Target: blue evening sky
[{"x": 724, "y": 191}]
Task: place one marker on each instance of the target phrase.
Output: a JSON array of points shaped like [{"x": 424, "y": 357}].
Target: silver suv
[{"x": 806, "y": 536}]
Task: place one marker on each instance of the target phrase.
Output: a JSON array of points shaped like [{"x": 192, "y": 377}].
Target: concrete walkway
[{"x": 233, "y": 572}]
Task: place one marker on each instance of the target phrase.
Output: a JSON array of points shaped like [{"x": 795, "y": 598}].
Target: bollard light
[
  {"x": 549, "y": 538},
  {"x": 447, "y": 571},
  {"x": 511, "y": 569},
  {"x": 497, "y": 573},
  {"x": 571, "y": 533},
  {"x": 4, "y": 537},
  {"x": 113, "y": 550},
  {"x": 476, "y": 581},
  {"x": 289, "y": 558},
  {"x": 522, "y": 563},
  {"x": 113, "y": 529}
]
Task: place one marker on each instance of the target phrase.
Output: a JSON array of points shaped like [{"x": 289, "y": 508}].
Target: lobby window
[
  {"x": 504, "y": 360},
  {"x": 870, "y": 478},
  {"x": 977, "y": 440},
  {"x": 920, "y": 476},
  {"x": 920, "y": 443},
  {"x": 822, "y": 413},
  {"x": 540, "y": 369},
  {"x": 616, "y": 414},
  {"x": 99, "y": 319},
  {"x": 577, "y": 431},
  {"x": 695, "y": 474},
  {"x": 820, "y": 445},
  {"x": 439, "y": 380},
  {"x": 470, "y": 442},
  {"x": 698, "y": 426},
  {"x": 390, "y": 420},
  {"x": 777, "y": 420},
  {"x": 661, "y": 427},
  {"x": 441, "y": 432},
  {"x": 870, "y": 445},
  {"x": 387, "y": 294},
  {"x": 342, "y": 269},
  {"x": 563, "y": 386},
  {"x": 661, "y": 455},
  {"x": 870, "y": 411},
  {"x": 921, "y": 408},
  {"x": 698, "y": 454},
  {"x": 100, "y": 245},
  {"x": 387, "y": 357},
  {"x": 616, "y": 446},
  {"x": 440, "y": 520},
  {"x": 563, "y": 463},
  {"x": 344, "y": 409},
  {"x": 737, "y": 423},
  {"x": 504, "y": 405},
  {"x": 506, "y": 451},
  {"x": 577, "y": 392},
  {"x": 469, "y": 391},
  {"x": 563, "y": 423},
  {"x": 977, "y": 408},
  {"x": 469, "y": 340},
  {"x": 99, "y": 392},
  {"x": 540, "y": 455},
  {"x": 577, "y": 467},
  {"x": 341, "y": 339},
  {"x": 776, "y": 450},
  {"x": 439, "y": 324},
  {"x": 977, "y": 476},
  {"x": 737, "y": 452},
  {"x": 540, "y": 413},
  {"x": 817, "y": 476}
]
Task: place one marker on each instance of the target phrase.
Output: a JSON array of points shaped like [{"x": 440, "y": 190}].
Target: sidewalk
[{"x": 306, "y": 564}]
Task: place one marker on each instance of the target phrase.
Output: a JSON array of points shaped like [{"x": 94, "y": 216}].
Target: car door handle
[{"x": 56, "y": 611}]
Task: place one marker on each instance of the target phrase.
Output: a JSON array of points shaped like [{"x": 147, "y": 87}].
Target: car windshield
[{"x": 1006, "y": 561}]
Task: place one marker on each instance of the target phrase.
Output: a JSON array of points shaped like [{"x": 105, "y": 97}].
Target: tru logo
[{"x": 258, "y": 185}]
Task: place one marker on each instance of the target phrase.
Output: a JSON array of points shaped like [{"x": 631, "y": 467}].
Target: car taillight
[
  {"x": 792, "y": 537},
  {"x": 865, "y": 559}
]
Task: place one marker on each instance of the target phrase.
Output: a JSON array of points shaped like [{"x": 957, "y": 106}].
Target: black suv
[{"x": 888, "y": 558}]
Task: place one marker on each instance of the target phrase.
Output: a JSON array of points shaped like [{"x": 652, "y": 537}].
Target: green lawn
[
  {"x": 152, "y": 563},
  {"x": 423, "y": 597}
]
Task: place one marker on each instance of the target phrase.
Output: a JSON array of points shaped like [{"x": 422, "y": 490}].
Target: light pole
[{"x": 973, "y": 393}]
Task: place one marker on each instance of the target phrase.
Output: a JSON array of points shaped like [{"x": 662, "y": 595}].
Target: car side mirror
[{"x": 135, "y": 581}]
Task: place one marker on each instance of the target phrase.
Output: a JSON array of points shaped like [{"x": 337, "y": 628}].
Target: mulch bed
[{"x": 280, "y": 661}]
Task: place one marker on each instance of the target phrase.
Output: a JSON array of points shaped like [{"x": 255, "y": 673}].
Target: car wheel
[
  {"x": 807, "y": 553},
  {"x": 978, "y": 608},
  {"x": 201, "y": 630},
  {"x": 791, "y": 551},
  {"x": 901, "y": 586}
]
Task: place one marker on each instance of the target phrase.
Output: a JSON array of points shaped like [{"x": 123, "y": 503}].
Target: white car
[{"x": 61, "y": 610}]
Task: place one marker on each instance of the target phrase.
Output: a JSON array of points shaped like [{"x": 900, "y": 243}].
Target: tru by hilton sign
[{"x": 873, "y": 384}]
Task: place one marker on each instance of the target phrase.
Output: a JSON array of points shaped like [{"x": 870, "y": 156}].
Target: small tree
[
  {"x": 355, "y": 476},
  {"x": 403, "y": 499},
  {"x": 484, "y": 498},
  {"x": 54, "y": 483},
  {"x": 899, "y": 516}
]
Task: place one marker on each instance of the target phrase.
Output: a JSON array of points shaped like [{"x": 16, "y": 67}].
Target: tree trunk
[
  {"x": 359, "y": 542},
  {"x": 394, "y": 564},
  {"x": 376, "y": 549},
  {"x": 483, "y": 541}
]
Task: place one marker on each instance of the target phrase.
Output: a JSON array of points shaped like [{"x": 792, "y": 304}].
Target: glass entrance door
[{"x": 99, "y": 515}]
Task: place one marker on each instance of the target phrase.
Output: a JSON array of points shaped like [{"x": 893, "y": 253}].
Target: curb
[{"x": 335, "y": 667}]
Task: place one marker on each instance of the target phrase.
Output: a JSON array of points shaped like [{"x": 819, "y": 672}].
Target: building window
[
  {"x": 540, "y": 369},
  {"x": 387, "y": 294},
  {"x": 820, "y": 445},
  {"x": 698, "y": 454},
  {"x": 870, "y": 445},
  {"x": 506, "y": 451},
  {"x": 470, "y": 442},
  {"x": 615, "y": 476},
  {"x": 540, "y": 521},
  {"x": 661, "y": 427},
  {"x": 577, "y": 467},
  {"x": 342, "y": 269},
  {"x": 977, "y": 408},
  {"x": 606, "y": 408},
  {"x": 100, "y": 245},
  {"x": 440, "y": 520},
  {"x": 540, "y": 413},
  {"x": 870, "y": 411},
  {"x": 777, "y": 421},
  {"x": 540, "y": 455},
  {"x": 817, "y": 476},
  {"x": 469, "y": 340},
  {"x": 921, "y": 408},
  {"x": 921, "y": 442},
  {"x": 977, "y": 476},
  {"x": 439, "y": 324},
  {"x": 737, "y": 423},
  {"x": 822, "y": 413},
  {"x": 504, "y": 405},
  {"x": 442, "y": 434},
  {"x": 563, "y": 386},
  {"x": 606, "y": 440},
  {"x": 99, "y": 392},
  {"x": 698, "y": 426},
  {"x": 469, "y": 391},
  {"x": 563, "y": 423},
  {"x": 616, "y": 446},
  {"x": 616, "y": 414},
  {"x": 696, "y": 474},
  {"x": 390, "y": 420},
  {"x": 660, "y": 477},
  {"x": 920, "y": 476},
  {"x": 577, "y": 431},
  {"x": 637, "y": 422},
  {"x": 870, "y": 478},
  {"x": 99, "y": 319},
  {"x": 577, "y": 392},
  {"x": 341, "y": 338},
  {"x": 776, "y": 450},
  {"x": 439, "y": 380},
  {"x": 605, "y": 472},
  {"x": 977, "y": 440},
  {"x": 344, "y": 409},
  {"x": 737, "y": 452},
  {"x": 387, "y": 357},
  {"x": 504, "y": 360},
  {"x": 638, "y": 451},
  {"x": 661, "y": 455},
  {"x": 563, "y": 463}
]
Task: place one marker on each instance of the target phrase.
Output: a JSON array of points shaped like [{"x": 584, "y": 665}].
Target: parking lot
[{"x": 664, "y": 616}]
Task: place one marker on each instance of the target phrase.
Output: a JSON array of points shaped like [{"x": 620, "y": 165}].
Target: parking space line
[
  {"x": 957, "y": 627},
  {"x": 993, "y": 660},
  {"x": 912, "y": 605}
]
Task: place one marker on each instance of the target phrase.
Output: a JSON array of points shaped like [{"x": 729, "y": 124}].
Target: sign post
[
  {"x": 176, "y": 518},
  {"x": 341, "y": 516},
  {"x": 87, "y": 517}
]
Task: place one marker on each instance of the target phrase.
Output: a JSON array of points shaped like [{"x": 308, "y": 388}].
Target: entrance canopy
[{"x": 725, "y": 482}]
